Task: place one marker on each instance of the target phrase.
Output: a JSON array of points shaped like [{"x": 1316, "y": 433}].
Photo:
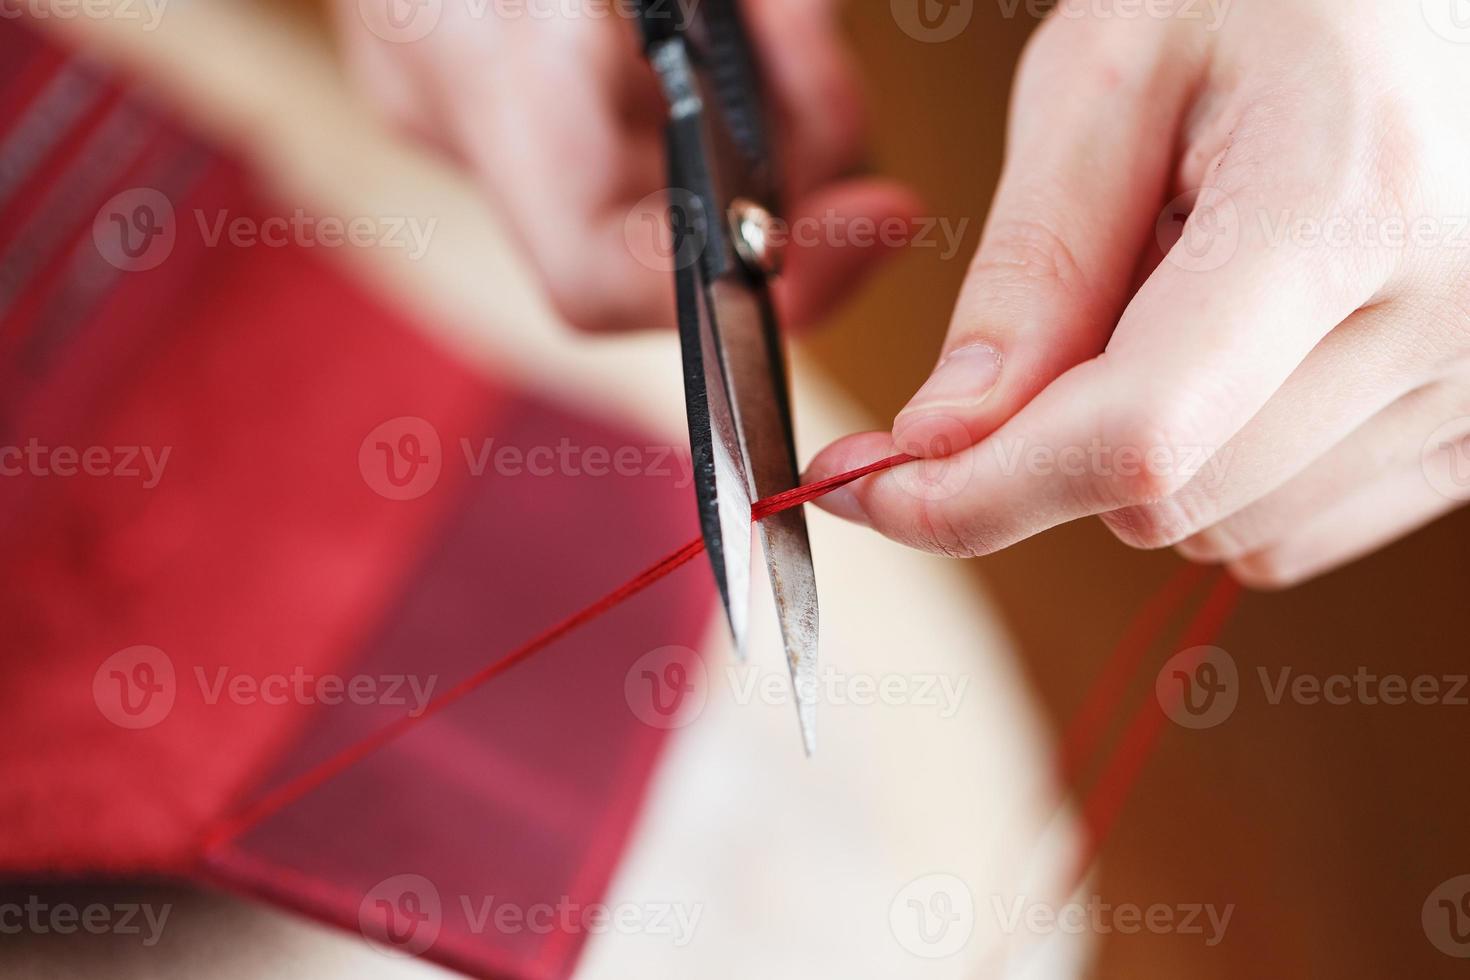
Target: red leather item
[{"x": 219, "y": 528}]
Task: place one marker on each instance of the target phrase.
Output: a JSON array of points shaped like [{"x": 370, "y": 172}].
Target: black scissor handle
[
  {"x": 718, "y": 45},
  {"x": 662, "y": 20}
]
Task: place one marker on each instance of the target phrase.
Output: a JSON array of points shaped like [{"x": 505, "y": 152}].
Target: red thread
[
  {"x": 289, "y": 792},
  {"x": 1105, "y": 802},
  {"x": 1085, "y": 729}
]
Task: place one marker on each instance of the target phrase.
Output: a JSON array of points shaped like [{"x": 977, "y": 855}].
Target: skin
[
  {"x": 553, "y": 108},
  {"x": 1303, "y": 395},
  {"x": 1221, "y": 300}
]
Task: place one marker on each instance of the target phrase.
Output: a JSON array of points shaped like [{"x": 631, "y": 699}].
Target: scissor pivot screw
[{"x": 755, "y": 237}]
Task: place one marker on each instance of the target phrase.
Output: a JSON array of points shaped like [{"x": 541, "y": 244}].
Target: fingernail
[{"x": 963, "y": 380}]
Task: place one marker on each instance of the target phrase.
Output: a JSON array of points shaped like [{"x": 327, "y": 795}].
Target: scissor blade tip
[
  {"x": 804, "y": 681},
  {"x": 809, "y": 731},
  {"x": 738, "y": 637}
]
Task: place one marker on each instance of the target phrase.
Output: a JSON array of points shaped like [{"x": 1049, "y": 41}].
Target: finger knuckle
[
  {"x": 1266, "y": 571},
  {"x": 1147, "y": 447},
  {"x": 1213, "y": 546},
  {"x": 1078, "y": 43},
  {"x": 583, "y": 296},
  {"x": 1150, "y": 527},
  {"x": 1020, "y": 254},
  {"x": 937, "y": 531}
]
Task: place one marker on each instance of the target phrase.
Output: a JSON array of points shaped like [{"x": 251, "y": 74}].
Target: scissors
[{"x": 723, "y": 189}]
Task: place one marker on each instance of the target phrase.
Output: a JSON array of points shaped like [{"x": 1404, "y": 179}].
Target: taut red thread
[{"x": 290, "y": 792}]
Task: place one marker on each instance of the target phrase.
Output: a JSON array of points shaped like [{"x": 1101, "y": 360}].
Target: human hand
[
  {"x": 1289, "y": 386},
  {"x": 552, "y": 105}
]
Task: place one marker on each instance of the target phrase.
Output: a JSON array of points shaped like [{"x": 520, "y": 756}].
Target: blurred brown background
[{"x": 1327, "y": 827}]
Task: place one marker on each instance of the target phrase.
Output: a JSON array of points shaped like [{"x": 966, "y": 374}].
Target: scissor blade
[
  {"x": 732, "y": 488},
  {"x": 755, "y": 372},
  {"x": 721, "y": 483}
]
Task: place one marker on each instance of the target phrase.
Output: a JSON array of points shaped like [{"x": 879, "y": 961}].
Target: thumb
[{"x": 1090, "y": 154}]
